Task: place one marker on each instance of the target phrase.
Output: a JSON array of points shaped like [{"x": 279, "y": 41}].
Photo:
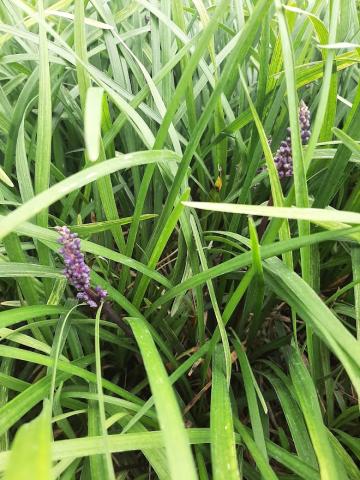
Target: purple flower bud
[
  {"x": 283, "y": 157},
  {"x": 76, "y": 270}
]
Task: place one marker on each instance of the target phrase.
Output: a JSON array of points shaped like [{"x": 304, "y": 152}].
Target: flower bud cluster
[
  {"x": 283, "y": 158},
  {"x": 76, "y": 270}
]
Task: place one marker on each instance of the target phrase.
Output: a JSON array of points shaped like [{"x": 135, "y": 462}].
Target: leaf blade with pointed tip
[
  {"x": 92, "y": 121},
  {"x": 311, "y": 214}
]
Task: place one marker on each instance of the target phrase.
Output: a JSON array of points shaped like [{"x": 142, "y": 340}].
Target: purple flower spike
[
  {"x": 304, "y": 120},
  {"x": 76, "y": 270},
  {"x": 283, "y": 158}
]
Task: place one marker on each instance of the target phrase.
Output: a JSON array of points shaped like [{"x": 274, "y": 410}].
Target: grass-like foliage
[{"x": 193, "y": 165}]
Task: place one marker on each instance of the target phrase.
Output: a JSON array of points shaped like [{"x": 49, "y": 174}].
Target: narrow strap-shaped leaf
[
  {"x": 177, "y": 446},
  {"x": 76, "y": 181},
  {"x": 223, "y": 451},
  {"x": 308, "y": 401},
  {"x": 250, "y": 391}
]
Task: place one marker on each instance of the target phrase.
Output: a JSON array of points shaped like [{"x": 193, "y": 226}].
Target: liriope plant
[{"x": 161, "y": 317}]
